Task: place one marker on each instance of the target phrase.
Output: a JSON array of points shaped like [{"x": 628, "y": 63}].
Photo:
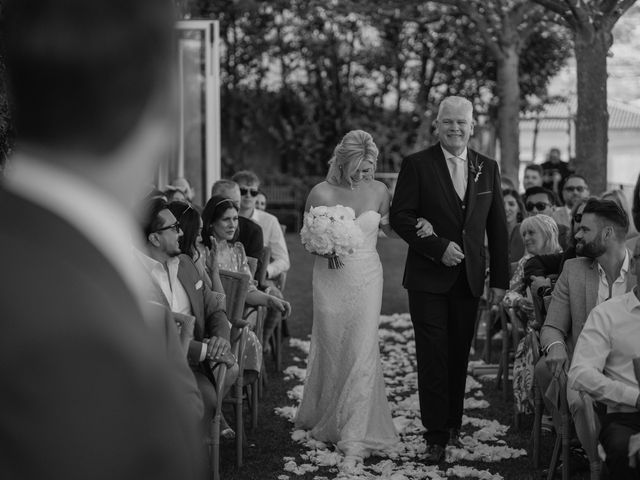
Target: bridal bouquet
[{"x": 331, "y": 231}]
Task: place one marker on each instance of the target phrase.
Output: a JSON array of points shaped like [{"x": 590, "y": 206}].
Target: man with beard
[{"x": 602, "y": 272}]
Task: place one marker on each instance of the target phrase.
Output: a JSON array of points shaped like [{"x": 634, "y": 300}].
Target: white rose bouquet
[{"x": 331, "y": 231}]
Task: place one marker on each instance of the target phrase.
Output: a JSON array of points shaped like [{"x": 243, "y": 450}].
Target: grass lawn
[{"x": 271, "y": 441}]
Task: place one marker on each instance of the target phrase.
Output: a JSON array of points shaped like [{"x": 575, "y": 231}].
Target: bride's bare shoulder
[{"x": 320, "y": 194}]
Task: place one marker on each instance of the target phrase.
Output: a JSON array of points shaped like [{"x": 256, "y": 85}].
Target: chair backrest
[
  {"x": 236, "y": 286},
  {"x": 253, "y": 265},
  {"x": 263, "y": 263}
]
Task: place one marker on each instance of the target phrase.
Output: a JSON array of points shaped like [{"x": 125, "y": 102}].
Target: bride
[{"x": 344, "y": 400}]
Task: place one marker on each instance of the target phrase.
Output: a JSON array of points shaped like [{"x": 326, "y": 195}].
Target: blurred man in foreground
[{"x": 87, "y": 389}]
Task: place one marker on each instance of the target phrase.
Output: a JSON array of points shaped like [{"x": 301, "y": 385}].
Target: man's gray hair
[
  {"x": 221, "y": 186},
  {"x": 456, "y": 102}
]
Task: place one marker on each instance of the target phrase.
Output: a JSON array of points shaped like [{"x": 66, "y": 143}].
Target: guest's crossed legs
[{"x": 444, "y": 327}]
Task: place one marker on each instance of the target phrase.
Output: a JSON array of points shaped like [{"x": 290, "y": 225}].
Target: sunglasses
[
  {"x": 577, "y": 218},
  {"x": 174, "y": 226},
  {"x": 252, "y": 191},
  {"x": 539, "y": 206},
  {"x": 578, "y": 188}
]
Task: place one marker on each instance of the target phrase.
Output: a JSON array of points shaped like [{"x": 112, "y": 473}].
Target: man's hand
[
  {"x": 557, "y": 359},
  {"x": 281, "y": 305},
  {"x": 424, "y": 228},
  {"x": 452, "y": 255},
  {"x": 634, "y": 450},
  {"x": 217, "y": 348},
  {"x": 496, "y": 295}
]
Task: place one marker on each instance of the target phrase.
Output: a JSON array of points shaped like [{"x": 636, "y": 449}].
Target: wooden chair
[
  {"x": 220, "y": 373},
  {"x": 236, "y": 286},
  {"x": 507, "y": 316}
]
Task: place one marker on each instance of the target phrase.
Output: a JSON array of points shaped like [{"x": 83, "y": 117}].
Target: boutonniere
[{"x": 476, "y": 169}]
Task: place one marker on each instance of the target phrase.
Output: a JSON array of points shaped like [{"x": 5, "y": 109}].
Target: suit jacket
[
  {"x": 206, "y": 307},
  {"x": 425, "y": 189},
  {"x": 250, "y": 236},
  {"x": 85, "y": 392},
  {"x": 574, "y": 296}
]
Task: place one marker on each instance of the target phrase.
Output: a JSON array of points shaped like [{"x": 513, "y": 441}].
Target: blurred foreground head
[{"x": 85, "y": 75}]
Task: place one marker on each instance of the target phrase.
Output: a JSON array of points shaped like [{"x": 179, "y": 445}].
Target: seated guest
[
  {"x": 220, "y": 217},
  {"x": 178, "y": 286},
  {"x": 191, "y": 244},
  {"x": 602, "y": 272},
  {"x": 540, "y": 200},
  {"x": 261, "y": 201},
  {"x": 603, "y": 367},
  {"x": 572, "y": 189},
  {"x": 543, "y": 266},
  {"x": 532, "y": 176},
  {"x": 514, "y": 210},
  {"x": 273, "y": 237},
  {"x": 271, "y": 230},
  {"x": 249, "y": 232},
  {"x": 540, "y": 234},
  {"x": 620, "y": 198}
]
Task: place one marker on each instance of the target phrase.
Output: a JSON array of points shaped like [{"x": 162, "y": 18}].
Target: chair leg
[
  {"x": 215, "y": 426},
  {"x": 239, "y": 422},
  {"x": 254, "y": 404},
  {"x": 537, "y": 424},
  {"x": 278, "y": 346},
  {"x": 566, "y": 437},
  {"x": 554, "y": 458}
]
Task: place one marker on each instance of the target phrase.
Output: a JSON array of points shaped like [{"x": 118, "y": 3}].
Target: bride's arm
[{"x": 423, "y": 226}]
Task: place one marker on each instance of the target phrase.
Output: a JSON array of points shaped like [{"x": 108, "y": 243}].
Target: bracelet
[
  {"x": 203, "y": 351},
  {"x": 548, "y": 347}
]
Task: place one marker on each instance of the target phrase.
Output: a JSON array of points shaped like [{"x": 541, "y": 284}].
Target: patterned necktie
[{"x": 458, "y": 176}]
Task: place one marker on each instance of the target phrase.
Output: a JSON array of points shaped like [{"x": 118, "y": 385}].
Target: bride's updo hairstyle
[{"x": 356, "y": 147}]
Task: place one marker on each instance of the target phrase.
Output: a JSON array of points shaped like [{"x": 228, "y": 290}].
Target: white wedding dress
[{"x": 344, "y": 399}]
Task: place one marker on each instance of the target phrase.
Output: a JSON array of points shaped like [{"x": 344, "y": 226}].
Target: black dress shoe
[
  {"x": 434, "y": 454},
  {"x": 455, "y": 438}
]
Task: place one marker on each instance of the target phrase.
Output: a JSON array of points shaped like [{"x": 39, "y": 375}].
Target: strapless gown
[{"x": 344, "y": 400}]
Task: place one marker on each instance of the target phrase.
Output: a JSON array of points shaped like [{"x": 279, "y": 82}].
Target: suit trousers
[
  {"x": 444, "y": 327},
  {"x": 614, "y": 436}
]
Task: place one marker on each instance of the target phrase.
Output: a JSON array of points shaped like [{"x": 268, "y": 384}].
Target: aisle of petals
[{"x": 481, "y": 438}]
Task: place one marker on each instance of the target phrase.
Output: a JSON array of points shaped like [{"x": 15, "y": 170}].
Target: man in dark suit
[
  {"x": 458, "y": 191},
  {"x": 88, "y": 390}
]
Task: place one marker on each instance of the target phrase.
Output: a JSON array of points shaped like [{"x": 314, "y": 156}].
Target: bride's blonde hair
[{"x": 356, "y": 147}]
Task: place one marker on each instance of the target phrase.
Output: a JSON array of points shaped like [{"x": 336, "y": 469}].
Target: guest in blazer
[
  {"x": 603, "y": 271},
  {"x": 458, "y": 191},
  {"x": 88, "y": 387},
  {"x": 176, "y": 283}
]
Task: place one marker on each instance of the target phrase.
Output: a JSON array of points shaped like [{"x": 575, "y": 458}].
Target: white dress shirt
[
  {"x": 602, "y": 363},
  {"x": 461, "y": 161},
  {"x": 274, "y": 239},
  {"x": 167, "y": 280},
  {"x": 619, "y": 286}
]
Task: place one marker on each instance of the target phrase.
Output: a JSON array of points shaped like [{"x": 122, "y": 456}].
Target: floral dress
[
  {"x": 525, "y": 357},
  {"x": 231, "y": 256}
]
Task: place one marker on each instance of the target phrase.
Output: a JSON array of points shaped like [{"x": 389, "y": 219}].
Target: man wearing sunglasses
[
  {"x": 249, "y": 184},
  {"x": 539, "y": 200},
  {"x": 177, "y": 285},
  {"x": 273, "y": 237},
  {"x": 573, "y": 189}
]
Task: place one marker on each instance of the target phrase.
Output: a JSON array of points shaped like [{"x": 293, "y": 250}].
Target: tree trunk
[
  {"x": 508, "y": 112},
  {"x": 592, "y": 119}
]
